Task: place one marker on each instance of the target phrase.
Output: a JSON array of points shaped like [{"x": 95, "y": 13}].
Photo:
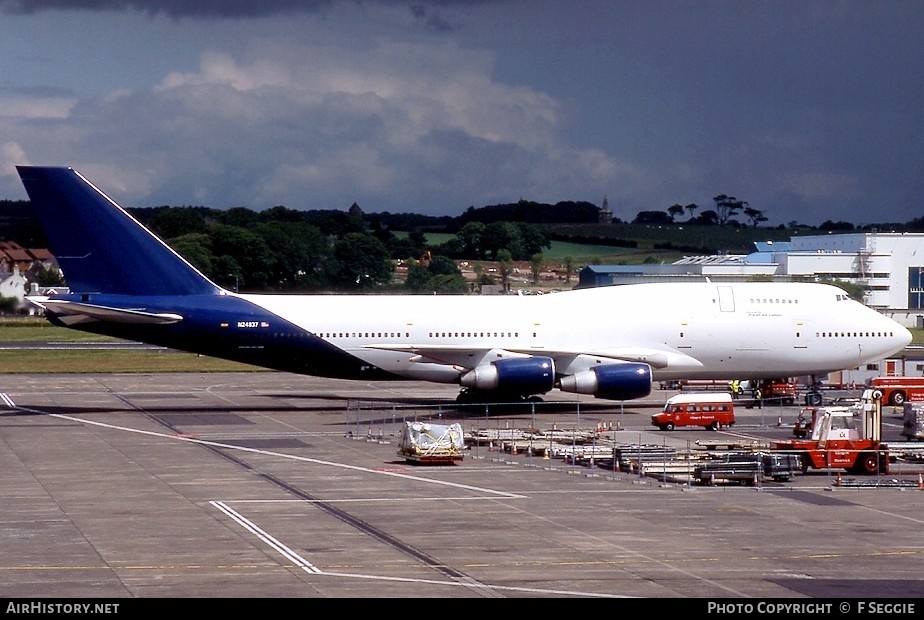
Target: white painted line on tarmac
[
  {"x": 292, "y": 556},
  {"x": 483, "y": 586},
  {"x": 265, "y": 537},
  {"x": 378, "y": 472},
  {"x": 308, "y": 567}
]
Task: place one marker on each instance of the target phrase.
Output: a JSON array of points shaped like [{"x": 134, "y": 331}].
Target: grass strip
[{"x": 43, "y": 361}]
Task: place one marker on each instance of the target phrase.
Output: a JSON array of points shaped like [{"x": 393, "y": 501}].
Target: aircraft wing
[
  {"x": 71, "y": 313},
  {"x": 656, "y": 358},
  {"x": 468, "y": 357},
  {"x": 619, "y": 373},
  {"x": 463, "y": 357}
]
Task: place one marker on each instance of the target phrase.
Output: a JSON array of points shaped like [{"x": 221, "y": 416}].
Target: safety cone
[
  {"x": 513, "y": 449},
  {"x": 837, "y": 482},
  {"x": 490, "y": 446},
  {"x": 921, "y": 482}
]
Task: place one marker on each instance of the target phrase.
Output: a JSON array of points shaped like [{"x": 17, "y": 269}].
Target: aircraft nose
[
  {"x": 903, "y": 335},
  {"x": 899, "y": 337}
]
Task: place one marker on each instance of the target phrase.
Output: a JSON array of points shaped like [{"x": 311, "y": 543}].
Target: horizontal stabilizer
[{"x": 107, "y": 314}]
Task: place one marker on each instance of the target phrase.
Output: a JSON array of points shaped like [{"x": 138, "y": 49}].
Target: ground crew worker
[
  {"x": 760, "y": 398},
  {"x": 735, "y": 388}
]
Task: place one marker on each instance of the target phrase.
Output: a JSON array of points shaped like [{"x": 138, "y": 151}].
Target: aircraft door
[{"x": 726, "y": 299}]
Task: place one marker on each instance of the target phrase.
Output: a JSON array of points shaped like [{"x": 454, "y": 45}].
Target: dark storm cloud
[
  {"x": 173, "y": 8},
  {"x": 430, "y": 19},
  {"x": 225, "y": 8},
  {"x": 809, "y": 110}
]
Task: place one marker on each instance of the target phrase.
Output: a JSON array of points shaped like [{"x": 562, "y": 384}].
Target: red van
[{"x": 711, "y": 411}]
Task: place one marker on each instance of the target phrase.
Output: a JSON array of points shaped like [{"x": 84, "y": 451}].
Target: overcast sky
[{"x": 808, "y": 110}]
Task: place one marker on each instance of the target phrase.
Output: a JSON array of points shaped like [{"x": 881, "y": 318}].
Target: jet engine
[
  {"x": 523, "y": 376},
  {"x": 612, "y": 381}
]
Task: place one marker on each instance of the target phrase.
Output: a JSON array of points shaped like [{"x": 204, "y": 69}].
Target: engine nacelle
[
  {"x": 612, "y": 381},
  {"x": 523, "y": 375}
]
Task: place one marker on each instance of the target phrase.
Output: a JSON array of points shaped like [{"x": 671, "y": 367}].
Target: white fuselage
[{"x": 684, "y": 330}]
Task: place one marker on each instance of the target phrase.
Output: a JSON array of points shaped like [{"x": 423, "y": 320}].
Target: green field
[
  {"x": 732, "y": 239},
  {"x": 679, "y": 241},
  {"x": 603, "y": 254},
  {"x": 559, "y": 249},
  {"x": 40, "y": 330},
  {"x": 88, "y": 360},
  {"x": 584, "y": 253}
]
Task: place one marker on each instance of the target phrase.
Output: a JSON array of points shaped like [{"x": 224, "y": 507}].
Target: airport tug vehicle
[{"x": 847, "y": 438}]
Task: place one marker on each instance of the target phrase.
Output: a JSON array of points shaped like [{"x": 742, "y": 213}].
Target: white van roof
[{"x": 703, "y": 397}]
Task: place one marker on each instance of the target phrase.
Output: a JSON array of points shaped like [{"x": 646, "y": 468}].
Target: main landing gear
[{"x": 469, "y": 396}]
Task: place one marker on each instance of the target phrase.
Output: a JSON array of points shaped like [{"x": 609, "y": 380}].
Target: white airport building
[{"x": 889, "y": 266}]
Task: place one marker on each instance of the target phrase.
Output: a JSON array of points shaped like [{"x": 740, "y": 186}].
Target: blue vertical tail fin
[{"x": 99, "y": 246}]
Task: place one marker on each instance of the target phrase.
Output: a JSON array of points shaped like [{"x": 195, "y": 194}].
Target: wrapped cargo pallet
[
  {"x": 424, "y": 442},
  {"x": 913, "y": 421}
]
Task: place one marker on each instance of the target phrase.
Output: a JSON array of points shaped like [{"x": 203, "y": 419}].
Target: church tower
[{"x": 606, "y": 216}]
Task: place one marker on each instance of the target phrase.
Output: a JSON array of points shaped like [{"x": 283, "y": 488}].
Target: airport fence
[{"x": 595, "y": 440}]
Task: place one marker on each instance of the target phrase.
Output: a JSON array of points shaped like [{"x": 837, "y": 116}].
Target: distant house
[
  {"x": 13, "y": 284},
  {"x": 13, "y": 255},
  {"x": 29, "y": 260},
  {"x": 18, "y": 266},
  {"x": 42, "y": 258}
]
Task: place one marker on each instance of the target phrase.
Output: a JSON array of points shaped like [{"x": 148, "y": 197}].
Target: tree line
[{"x": 287, "y": 250}]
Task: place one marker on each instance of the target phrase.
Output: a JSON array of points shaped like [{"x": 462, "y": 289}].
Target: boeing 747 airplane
[{"x": 611, "y": 342}]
